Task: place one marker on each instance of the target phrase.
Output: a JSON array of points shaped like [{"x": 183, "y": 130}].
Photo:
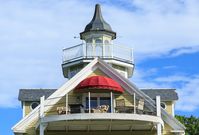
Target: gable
[{"x": 84, "y": 73}]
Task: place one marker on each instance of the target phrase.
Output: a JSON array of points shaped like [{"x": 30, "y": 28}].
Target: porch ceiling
[{"x": 103, "y": 125}]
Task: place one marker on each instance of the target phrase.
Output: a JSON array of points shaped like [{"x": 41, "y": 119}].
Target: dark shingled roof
[
  {"x": 165, "y": 94},
  {"x": 35, "y": 94},
  {"x": 98, "y": 23}
]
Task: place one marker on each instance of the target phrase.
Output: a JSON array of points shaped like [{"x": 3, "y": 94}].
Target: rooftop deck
[{"x": 104, "y": 51}]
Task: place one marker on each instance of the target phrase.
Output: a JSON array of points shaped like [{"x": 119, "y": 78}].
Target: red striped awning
[{"x": 100, "y": 84}]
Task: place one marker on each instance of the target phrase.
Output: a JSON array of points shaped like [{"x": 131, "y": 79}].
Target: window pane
[{"x": 93, "y": 102}]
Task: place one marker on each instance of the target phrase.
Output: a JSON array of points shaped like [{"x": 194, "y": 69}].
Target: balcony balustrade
[
  {"x": 104, "y": 51},
  {"x": 66, "y": 116},
  {"x": 64, "y": 107}
]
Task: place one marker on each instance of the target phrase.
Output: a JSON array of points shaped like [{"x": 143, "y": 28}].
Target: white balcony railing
[{"x": 104, "y": 51}]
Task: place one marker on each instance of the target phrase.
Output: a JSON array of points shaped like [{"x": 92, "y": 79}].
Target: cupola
[
  {"x": 98, "y": 39},
  {"x": 97, "y": 25}
]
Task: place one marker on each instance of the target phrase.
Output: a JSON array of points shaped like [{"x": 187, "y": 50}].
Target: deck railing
[
  {"x": 64, "y": 107},
  {"x": 104, "y": 51}
]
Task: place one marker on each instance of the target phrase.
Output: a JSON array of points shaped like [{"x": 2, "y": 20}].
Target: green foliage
[{"x": 191, "y": 123}]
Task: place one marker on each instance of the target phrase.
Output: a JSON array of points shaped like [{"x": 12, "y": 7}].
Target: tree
[{"x": 191, "y": 123}]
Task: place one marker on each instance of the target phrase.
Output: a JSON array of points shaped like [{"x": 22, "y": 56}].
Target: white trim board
[{"x": 103, "y": 116}]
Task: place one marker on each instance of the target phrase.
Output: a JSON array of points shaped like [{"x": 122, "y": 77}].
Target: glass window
[
  {"x": 34, "y": 105},
  {"x": 106, "y": 42},
  {"x": 98, "y": 101},
  {"x": 89, "y": 50},
  {"x": 93, "y": 102},
  {"x": 98, "y": 50},
  {"x": 163, "y": 105},
  {"x": 98, "y": 41},
  {"x": 102, "y": 101}
]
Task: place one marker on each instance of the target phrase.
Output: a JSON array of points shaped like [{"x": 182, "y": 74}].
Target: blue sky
[{"x": 163, "y": 35}]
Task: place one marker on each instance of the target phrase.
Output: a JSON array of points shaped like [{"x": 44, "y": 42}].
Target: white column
[
  {"x": 41, "y": 129},
  {"x": 134, "y": 103},
  {"x": 112, "y": 50},
  {"x": 158, "y": 110},
  {"x": 42, "y": 106},
  {"x": 66, "y": 103},
  {"x": 111, "y": 101},
  {"x": 89, "y": 102}
]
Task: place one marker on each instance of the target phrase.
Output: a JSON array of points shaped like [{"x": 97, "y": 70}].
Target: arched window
[
  {"x": 108, "y": 49},
  {"x": 163, "y": 105},
  {"x": 89, "y": 40},
  {"x": 98, "y": 50},
  {"x": 33, "y": 105},
  {"x": 89, "y": 50},
  {"x": 97, "y": 41},
  {"x": 98, "y": 47},
  {"x": 106, "y": 42}
]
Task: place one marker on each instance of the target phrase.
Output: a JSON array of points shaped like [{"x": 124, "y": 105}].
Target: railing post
[
  {"x": 111, "y": 102},
  {"x": 89, "y": 102},
  {"x": 42, "y": 106},
  {"x": 41, "y": 126},
  {"x": 158, "y": 113},
  {"x": 134, "y": 103},
  {"x": 112, "y": 51},
  {"x": 66, "y": 103},
  {"x": 131, "y": 59},
  {"x": 41, "y": 129}
]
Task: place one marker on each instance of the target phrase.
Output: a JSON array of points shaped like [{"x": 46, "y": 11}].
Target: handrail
[
  {"x": 89, "y": 50},
  {"x": 72, "y": 47}
]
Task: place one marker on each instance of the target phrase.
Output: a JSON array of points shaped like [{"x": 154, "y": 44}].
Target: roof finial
[
  {"x": 98, "y": 24},
  {"x": 98, "y": 13}
]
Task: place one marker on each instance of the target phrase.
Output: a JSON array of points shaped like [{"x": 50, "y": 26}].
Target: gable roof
[
  {"x": 21, "y": 126},
  {"x": 35, "y": 94},
  {"x": 165, "y": 94}
]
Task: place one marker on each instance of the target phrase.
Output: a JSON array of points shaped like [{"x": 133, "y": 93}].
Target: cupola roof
[{"x": 98, "y": 24}]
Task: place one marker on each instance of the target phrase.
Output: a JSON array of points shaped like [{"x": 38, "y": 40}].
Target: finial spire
[
  {"x": 98, "y": 13},
  {"x": 98, "y": 24}
]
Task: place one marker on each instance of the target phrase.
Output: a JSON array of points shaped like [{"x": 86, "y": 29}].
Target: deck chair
[
  {"x": 61, "y": 110},
  {"x": 140, "y": 106},
  {"x": 104, "y": 108},
  {"x": 120, "y": 106}
]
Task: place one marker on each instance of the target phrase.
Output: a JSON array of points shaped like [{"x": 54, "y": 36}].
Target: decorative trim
[
  {"x": 67, "y": 87},
  {"x": 103, "y": 116}
]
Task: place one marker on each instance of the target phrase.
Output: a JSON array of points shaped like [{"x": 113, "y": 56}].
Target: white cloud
[
  {"x": 172, "y": 79},
  {"x": 34, "y": 33},
  {"x": 187, "y": 87},
  {"x": 182, "y": 51},
  {"x": 189, "y": 94}
]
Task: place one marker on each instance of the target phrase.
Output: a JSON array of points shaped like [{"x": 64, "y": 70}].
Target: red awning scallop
[{"x": 99, "y": 83}]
